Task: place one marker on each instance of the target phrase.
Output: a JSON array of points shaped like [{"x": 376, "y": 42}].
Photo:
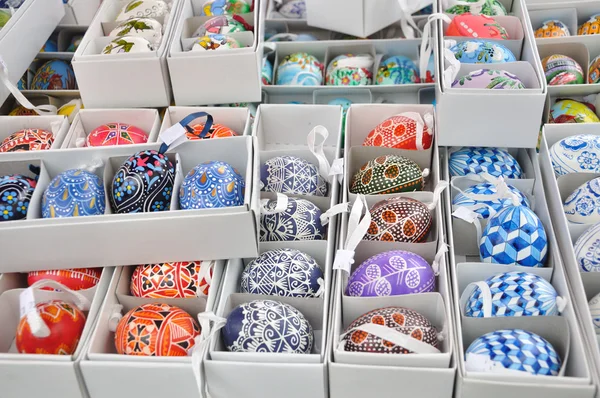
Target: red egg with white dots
[{"x": 74, "y": 279}]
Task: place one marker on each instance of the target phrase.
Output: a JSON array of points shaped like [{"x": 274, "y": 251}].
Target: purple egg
[
  {"x": 491, "y": 79},
  {"x": 392, "y": 273}
]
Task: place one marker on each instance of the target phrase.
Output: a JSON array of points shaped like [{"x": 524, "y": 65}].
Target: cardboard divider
[
  {"x": 358, "y": 96},
  {"x": 568, "y": 16},
  {"x": 192, "y": 24},
  {"x": 245, "y": 40},
  {"x": 14, "y": 280},
  {"x": 57, "y": 125},
  {"x": 523, "y": 70}
]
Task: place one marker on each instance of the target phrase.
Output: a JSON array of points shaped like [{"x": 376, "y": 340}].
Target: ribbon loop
[
  {"x": 280, "y": 206},
  {"x": 115, "y": 317},
  {"x": 357, "y": 228},
  {"x": 437, "y": 194},
  {"x": 393, "y": 336},
  {"x": 468, "y": 215},
  {"x": 427, "y": 43},
  {"x": 94, "y": 165},
  {"x": 210, "y": 324},
  {"x": 485, "y": 296},
  {"x": 332, "y": 212},
  {"x": 451, "y": 73},
  {"x": 443, "y": 249},
  {"x": 318, "y": 151}
]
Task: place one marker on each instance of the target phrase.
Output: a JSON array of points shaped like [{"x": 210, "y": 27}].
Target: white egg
[
  {"x": 594, "y": 305},
  {"x": 143, "y": 8},
  {"x": 128, "y": 44},
  {"x": 583, "y": 205},
  {"x": 587, "y": 250},
  {"x": 576, "y": 154}
]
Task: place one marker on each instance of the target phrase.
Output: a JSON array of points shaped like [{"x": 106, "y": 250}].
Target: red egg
[
  {"x": 27, "y": 140},
  {"x": 65, "y": 322},
  {"x": 74, "y": 279},
  {"x": 216, "y": 131},
  {"x": 477, "y": 26},
  {"x": 399, "y": 132},
  {"x": 172, "y": 280},
  {"x": 116, "y": 134}
]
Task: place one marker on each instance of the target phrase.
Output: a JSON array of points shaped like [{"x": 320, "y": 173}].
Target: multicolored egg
[
  {"x": 465, "y": 199},
  {"x": 399, "y": 219},
  {"x": 27, "y": 140},
  {"x": 391, "y": 273},
  {"x": 267, "y": 72},
  {"x": 54, "y": 75},
  {"x": 594, "y": 306},
  {"x": 74, "y": 193},
  {"x": 292, "y": 9},
  {"x": 387, "y": 174},
  {"x": 399, "y": 319},
  {"x": 128, "y": 44},
  {"x": 560, "y": 69},
  {"x": 482, "y": 52},
  {"x": 186, "y": 279},
  {"x": 289, "y": 331},
  {"x": 430, "y": 72},
  {"x": 397, "y": 69},
  {"x": 570, "y": 111},
  {"x": 477, "y": 160},
  {"x": 215, "y": 131},
  {"x": 223, "y": 24},
  {"x": 15, "y": 196},
  {"x": 477, "y": 26},
  {"x": 345, "y": 104},
  {"x": 400, "y": 132},
  {"x": 211, "y": 185},
  {"x": 292, "y": 175},
  {"x": 350, "y": 70},
  {"x": 49, "y": 47},
  {"x": 147, "y": 28},
  {"x": 220, "y": 7},
  {"x": 144, "y": 183},
  {"x": 594, "y": 71},
  {"x": 74, "y": 279},
  {"x": 156, "y": 330},
  {"x": 74, "y": 44},
  {"x": 587, "y": 250},
  {"x": 490, "y": 7},
  {"x": 493, "y": 79},
  {"x": 301, "y": 220},
  {"x": 215, "y": 42},
  {"x": 65, "y": 323},
  {"x": 583, "y": 205},
  {"x": 283, "y": 273},
  {"x": 22, "y": 111},
  {"x": 300, "y": 69},
  {"x": 110, "y": 134},
  {"x": 514, "y": 236},
  {"x": 552, "y": 28},
  {"x": 576, "y": 154},
  {"x": 143, "y": 9},
  {"x": 591, "y": 26},
  {"x": 513, "y": 349}
]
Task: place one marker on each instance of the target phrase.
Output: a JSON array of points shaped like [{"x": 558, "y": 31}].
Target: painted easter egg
[
  {"x": 74, "y": 279},
  {"x": 267, "y": 72},
  {"x": 400, "y": 132},
  {"x": 283, "y": 273},
  {"x": 220, "y": 7},
  {"x": 402, "y": 320},
  {"x": 397, "y": 69},
  {"x": 223, "y": 24},
  {"x": 570, "y": 111},
  {"x": 477, "y": 26},
  {"x": 493, "y": 79},
  {"x": 54, "y": 75},
  {"x": 184, "y": 279},
  {"x": 465, "y": 199},
  {"x": 74, "y": 193},
  {"x": 27, "y": 140},
  {"x": 292, "y": 175},
  {"x": 482, "y": 52},
  {"x": 156, "y": 330},
  {"x": 552, "y": 28},
  {"x": 513, "y": 349},
  {"x": 215, "y": 131},
  {"x": 391, "y": 273},
  {"x": 514, "y": 236},
  {"x": 576, "y": 154},
  {"x": 430, "y": 72},
  {"x": 279, "y": 37},
  {"x": 594, "y": 71},
  {"x": 350, "y": 70},
  {"x": 476, "y": 160},
  {"x": 594, "y": 306},
  {"x": 560, "y": 69},
  {"x": 490, "y": 7},
  {"x": 116, "y": 134},
  {"x": 65, "y": 323},
  {"x": 300, "y": 69},
  {"x": 74, "y": 44},
  {"x": 583, "y": 205},
  {"x": 147, "y": 28},
  {"x": 211, "y": 185},
  {"x": 22, "y": 111},
  {"x": 399, "y": 219},
  {"x": 144, "y": 183},
  {"x": 289, "y": 333},
  {"x": 512, "y": 294},
  {"x": 49, "y": 47},
  {"x": 387, "y": 174},
  {"x": 345, "y": 104},
  {"x": 128, "y": 44},
  {"x": 143, "y": 8},
  {"x": 587, "y": 250},
  {"x": 15, "y": 196},
  {"x": 301, "y": 220},
  {"x": 292, "y": 9},
  {"x": 215, "y": 42},
  {"x": 591, "y": 26}
]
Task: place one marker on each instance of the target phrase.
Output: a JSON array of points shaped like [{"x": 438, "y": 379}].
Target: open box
[
  {"x": 80, "y": 12},
  {"x": 237, "y": 119},
  {"x": 57, "y": 125}
]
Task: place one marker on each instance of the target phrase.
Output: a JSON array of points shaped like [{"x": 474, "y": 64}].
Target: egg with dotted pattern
[
  {"x": 74, "y": 193},
  {"x": 386, "y": 175},
  {"x": 399, "y": 219},
  {"x": 211, "y": 185}
]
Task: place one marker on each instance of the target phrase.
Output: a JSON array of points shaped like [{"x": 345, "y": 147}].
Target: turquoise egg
[
  {"x": 397, "y": 69},
  {"x": 300, "y": 69},
  {"x": 482, "y": 52}
]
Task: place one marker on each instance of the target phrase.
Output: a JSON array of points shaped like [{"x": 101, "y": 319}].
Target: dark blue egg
[
  {"x": 15, "y": 195},
  {"x": 74, "y": 193},
  {"x": 211, "y": 185},
  {"x": 301, "y": 220}
]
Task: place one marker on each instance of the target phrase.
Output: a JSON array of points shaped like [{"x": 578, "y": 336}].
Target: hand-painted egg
[
  {"x": 300, "y": 69},
  {"x": 185, "y": 279},
  {"x": 54, "y": 75},
  {"x": 477, "y": 26},
  {"x": 477, "y": 160},
  {"x": 215, "y": 42},
  {"x": 514, "y": 236},
  {"x": 144, "y": 183},
  {"x": 490, "y": 7},
  {"x": 570, "y": 111},
  {"x": 430, "y": 72},
  {"x": 289, "y": 331},
  {"x": 292, "y": 9},
  {"x": 513, "y": 294},
  {"x": 211, "y": 185},
  {"x": 27, "y": 140},
  {"x": 128, "y": 44},
  {"x": 387, "y": 174},
  {"x": 583, "y": 205},
  {"x": 514, "y": 349},
  {"x": 576, "y": 154},
  {"x": 350, "y": 70},
  {"x": 74, "y": 279},
  {"x": 399, "y": 219},
  {"x": 482, "y": 52},
  {"x": 147, "y": 28},
  {"x": 143, "y": 8},
  {"x": 591, "y": 26},
  {"x": 560, "y": 69},
  {"x": 65, "y": 323},
  {"x": 594, "y": 71},
  {"x": 22, "y": 111},
  {"x": 301, "y": 220},
  {"x": 465, "y": 199},
  {"x": 399, "y": 319},
  {"x": 283, "y": 273},
  {"x": 552, "y": 28},
  {"x": 220, "y": 7},
  {"x": 15, "y": 196},
  {"x": 49, "y": 47},
  {"x": 397, "y": 69},
  {"x": 391, "y": 273},
  {"x": 292, "y": 175},
  {"x": 587, "y": 250},
  {"x": 400, "y": 132},
  {"x": 216, "y": 131},
  {"x": 116, "y": 134},
  {"x": 74, "y": 44},
  {"x": 160, "y": 330},
  {"x": 345, "y": 104},
  {"x": 74, "y": 193},
  {"x": 494, "y": 79},
  {"x": 594, "y": 306},
  {"x": 223, "y": 24},
  {"x": 267, "y": 72},
  {"x": 279, "y": 37},
  {"x": 5, "y": 16}
]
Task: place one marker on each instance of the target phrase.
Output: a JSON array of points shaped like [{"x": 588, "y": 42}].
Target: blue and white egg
[
  {"x": 594, "y": 306},
  {"x": 477, "y": 160},
  {"x": 482, "y": 207},
  {"x": 576, "y": 154},
  {"x": 587, "y": 250},
  {"x": 301, "y": 220},
  {"x": 292, "y": 9},
  {"x": 74, "y": 193},
  {"x": 292, "y": 175},
  {"x": 211, "y": 185},
  {"x": 477, "y": 51},
  {"x": 583, "y": 205}
]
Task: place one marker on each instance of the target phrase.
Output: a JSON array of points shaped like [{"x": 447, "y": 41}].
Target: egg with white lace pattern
[{"x": 300, "y": 220}]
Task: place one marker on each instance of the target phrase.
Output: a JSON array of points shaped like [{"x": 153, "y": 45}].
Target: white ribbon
[
  {"x": 332, "y": 212},
  {"x": 325, "y": 169},
  {"x": 502, "y": 192},
  {"x": 451, "y": 73},
  {"x": 321, "y": 290},
  {"x": 94, "y": 165},
  {"x": 357, "y": 229},
  {"x": 427, "y": 42},
  {"x": 471, "y": 217},
  {"x": 437, "y": 194},
  {"x": 393, "y": 336},
  {"x": 114, "y": 318},
  {"x": 337, "y": 169},
  {"x": 280, "y": 206},
  {"x": 435, "y": 266},
  {"x": 421, "y": 122},
  {"x": 474, "y": 7},
  {"x": 359, "y": 61},
  {"x": 210, "y": 324},
  {"x": 485, "y": 296},
  {"x": 407, "y": 8}
]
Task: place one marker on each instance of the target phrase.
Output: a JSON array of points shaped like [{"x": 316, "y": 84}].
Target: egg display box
[
  {"x": 564, "y": 334},
  {"x": 63, "y": 36},
  {"x": 115, "y": 80},
  {"x": 57, "y": 125},
  {"x": 273, "y": 15},
  {"x": 214, "y": 77},
  {"x": 107, "y": 373},
  {"x": 26, "y": 374},
  {"x": 80, "y": 12}
]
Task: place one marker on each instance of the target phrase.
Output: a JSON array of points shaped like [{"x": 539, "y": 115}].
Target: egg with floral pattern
[
  {"x": 570, "y": 111},
  {"x": 143, "y": 8},
  {"x": 594, "y": 71},
  {"x": 594, "y": 306},
  {"x": 387, "y": 174},
  {"x": 482, "y": 52},
  {"x": 182, "y": 279},
  {"x": 212, "y": 185},
  {"x": 223, "y": 24},
  {"x": 477, "y": 160},
  {"x": 300, "y": 220},
  {"x": 576, "y": 154},
  {"x": 300, "y": 69},
  {"x": 587, "y": 250},
  {"x": 397, "y": 69},
  {"x": 74, "y": 193},
  {"x": 54, "y": 75},
  {"x": 215, "y": 131},
  {"x": 27, "y": 140},
  {"x": 220, "y": 7},
  {"x": 350, "y": 70},
  {"x": 116, "y": 134},
  {"x": 292, "y": 175},
  {"x": 489, "y": 7},
  {"x": 16, "y": 191},
  {"x": 215, "y": 42},
  {"x": 477, "y": 26},
  {"x": 267, "y": 72},
  {"x": 147, "y": 28},
  {"x": 583, "y": 205},
  {"x": 128, "y": 44},
  {"x": 491, "y": 79},
  {"x": 399, "y": 219}
]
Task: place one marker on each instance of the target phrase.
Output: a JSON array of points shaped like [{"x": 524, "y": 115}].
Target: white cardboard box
[{"x": 80, "y": 12}]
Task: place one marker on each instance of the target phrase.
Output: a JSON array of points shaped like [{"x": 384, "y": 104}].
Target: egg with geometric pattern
[
  {"x": 184, "y": 279},
  {"x": 400, "y": 132},
  {"x": 587, "y": 250},
  {"x": 210, "y": 185},
  {"x": 583, "y": 205},
  {"x": 116, "y": 134},
  {"x": 74, "y": 193},
  {"x": 472, "y": 198},
  {"x": 386, "y": 175},
  {"x": 300, "y": 220},
  {"x": 27, "y": 140},
  {"x": 74, "y": 278},
  {"x": 477, "y": 160},
  {"x": 292, "y": 175},
  {"x": 576, "y": 154},
  {"x": 399, "y": 219}
]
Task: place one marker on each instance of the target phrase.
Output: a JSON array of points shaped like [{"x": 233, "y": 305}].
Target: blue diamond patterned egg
[
  {"x": 514, "y": 236},
  {"x": 594, "y": 306},
  {"x": 283, "y": 272},
  {"x": 576, "y": 154},
  {"x": 74, "y": 193},
  {"x": 466, "y": 199},
  {"x": 15, "y": 196},
  {"x": 301, "y": 220},
  {"x": 583, "y": 205},
  {"x": 482, "y": 52},
  {"x": 514, "y": 349},
  {"x": 497, "y": 162},
  {"x": 267, "y": 326},
  {"x": 292, "y": 175},
  {"x": 587, "y": 250},
  {"x": 210, "y": 185},
  {"x": 513, "y": 294}
]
